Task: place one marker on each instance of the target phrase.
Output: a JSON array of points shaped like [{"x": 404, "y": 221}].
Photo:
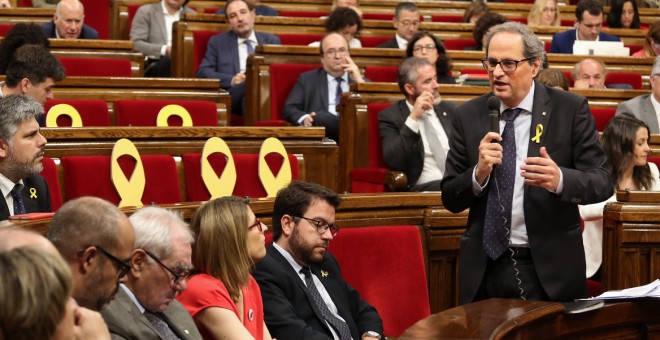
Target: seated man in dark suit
[
  {"x": 33, "y": 71},
  {"x": 145, "y": 307},
  {"x": 227, "y": 52},
  {"x": 313, "y": 100},
  {"x": 69, "y": 22},
  {"x": 588, "y": 22},
  {"x": 21, "y": 157},
  {"x": 406, "y": 22},
  {"x": 415, "y": 131},
  {"x": 259, "y": 9},
  {"x": 303, "y": 292}
]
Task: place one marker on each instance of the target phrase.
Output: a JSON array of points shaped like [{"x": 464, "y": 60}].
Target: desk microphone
[{"x": 494, "y": 114}]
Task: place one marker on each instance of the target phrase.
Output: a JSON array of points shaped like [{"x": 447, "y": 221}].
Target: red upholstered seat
[
  {"x": 94, "y": 112},
  {"x": 386, "y": 74},
  {"x": 373, "y": 41},
  {"x": 200, "y": 43},
  {"x": 132, "y": 9},
  {"x": 302, "y": 39},
  {"x": 655, "y": 160},
  {"x": 458, "y": 44},
  {"x": 632, "y": 79},
  {"x": 282, "y": 79},
  {"x": 372, "y": 260},
  {"x": 378, "y": 16},
  {"x": 90, "y": 176},
  {"x": 446, "y": 18},
  {"x": 602, "y": 115},
  {"x": 97, "y": 15},
  {"x": 247, "y": 173},
  {"x": 304, "y": 14},
  {"x": 97, "y": 67},
  {"x": 4, "y": 28},
  {"x": 49, "y": 172},
  {"x": 634, "y": 47},
  {"x": 567, "y": 22},
  {"x": 144, "y": 112}
]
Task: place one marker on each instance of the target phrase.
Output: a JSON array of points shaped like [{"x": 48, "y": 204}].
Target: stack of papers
[{"x": 651, "y": 290}]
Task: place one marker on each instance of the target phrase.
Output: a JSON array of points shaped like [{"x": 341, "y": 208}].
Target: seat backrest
[
  {"x": 302, "y": 39},
  {"x": 371, "y": 261},
  {"x": 282, "y": 79},
  {"x": 97, "y": 15},
  {"x": 247, "y": 173},
  {"x": 447, "y": 18},
  {"x": 97, "y": 67},
  {"x": 91, "y": 176},
  {"x": 632, "y": 79},
  {"x": 145, "y": 112},
  {"x": 458, "y": 44},
  {"x": 132, "y": 10},
  {"x": 4, "y": 28},
  {"x": 381, "y": 74},
  {"x": 93, "y": 112},
  {"x": 201, "y": 42},
  {"x": 49, "y": 173},
  {"x": 375, "y": 146},
  {"x": 373, "y": 41},
  {"x": 303, "y": 14},
  {"x": 602, "y": 116},
  {"x": 378, "y": 16}
]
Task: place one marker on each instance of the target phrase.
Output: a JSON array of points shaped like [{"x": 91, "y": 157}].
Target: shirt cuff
[
  {"x": 412, "y": 124},
  {"x": 163, "y": 50},
  {"x": 476, "y": 188},
  {"x": 560, "y": 186},
  {"x": 302, "y": 119}
]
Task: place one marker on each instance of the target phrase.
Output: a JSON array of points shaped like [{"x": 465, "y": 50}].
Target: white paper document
[{"x": 651, "y": 290}]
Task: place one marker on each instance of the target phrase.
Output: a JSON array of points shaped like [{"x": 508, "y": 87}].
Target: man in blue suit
[
  {"x": 588, "y": 22},
  {"x": 227, "y": 52},
  {"x": 68, "y": 22}
]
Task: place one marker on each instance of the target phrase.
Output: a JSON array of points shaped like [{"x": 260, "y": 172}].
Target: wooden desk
[{"x": 517, "y": 319}]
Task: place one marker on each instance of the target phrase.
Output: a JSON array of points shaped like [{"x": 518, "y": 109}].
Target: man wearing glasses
[
  {"x": 303, "y": 292},
  {"x": 523, "y": 180},
  {"x": 314, "y": 98},
  {"x": 145, "y": 307},
  {"x": 647, "y": 106},
  {"x": 96, "y": 239},
  {"x": 588, "y": 25},
  {"x": 406, "y": 22}
]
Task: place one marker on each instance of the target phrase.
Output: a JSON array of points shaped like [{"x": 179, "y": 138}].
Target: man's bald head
[
  {"x": 12, "y": 237},
  {"x": 69, "y": 18}
]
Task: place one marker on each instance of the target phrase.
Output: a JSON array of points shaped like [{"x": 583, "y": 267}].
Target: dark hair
[
  {"x": 296, "y": 198},
  {"x": 653, "y": 34},
  {"x": 408, "y": 74},
  {"x": 618, "y": 142},
  {"x": 443, "y": 65},
  {"x": 482, "y": 26},
  {"x": 19, "y": 35},
  {"x": 35, "y": 63},
  {"x": 594, "y": 7},
  {"x": 342, "y": 17},
  {"x": 476, "y": 7},
  {"x": 614, "y": 16},
  {"x": 553, "y": 77},
  {"x": 249, "y": 6},
  {"x": 405, "y": 6}
]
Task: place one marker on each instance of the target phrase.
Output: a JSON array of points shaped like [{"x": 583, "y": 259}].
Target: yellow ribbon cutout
[
  {"x": 63, "y": 110},
  {"x": 223, "y": 185},
  {"x": 130, "y": 190},
  {"x": 539, "y": 132},
  {"x": 173, "y": 110},
  {"x": 33, "y": 193},
  {"x": 273, "y": 183},
  {"x": 324, "y": 273}
]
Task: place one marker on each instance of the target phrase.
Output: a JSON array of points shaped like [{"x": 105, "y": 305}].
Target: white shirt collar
[
  {"x": 526, "y": 104},
  {"x": 343, "y": 76},
  {"x": 295, "y": 265},
  {"x": 403, "y": 43},
  {"x": 6, "y": 185},
  {"x": 577, "y": 35},
  {"x": 252, "y": 38},
  {"x": 132, "y": 297}
]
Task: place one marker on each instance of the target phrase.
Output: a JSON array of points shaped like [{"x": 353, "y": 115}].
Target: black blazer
[
  {"x": 38, "y": 201},
  {"x": 290, "y": 312},
  {"x": 552, "y": 221},
  {"x": 389, "y": 44},
  {"x": 403, "y": 149}
]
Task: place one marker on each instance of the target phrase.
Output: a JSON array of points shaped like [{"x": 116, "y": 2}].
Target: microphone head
[{"x": 494, "y": 103}]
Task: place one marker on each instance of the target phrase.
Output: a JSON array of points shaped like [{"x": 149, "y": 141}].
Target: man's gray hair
[
  {"x": 656, "y": 66},
  {"x": 533, "y": 47},
  {"x": 408, "y": 72},
  {"x": 576, "y": 68},
  {"x": 14, "y": 110},
  {"x": 153, "y": 230},
  {"x": 405, "y": 6}
]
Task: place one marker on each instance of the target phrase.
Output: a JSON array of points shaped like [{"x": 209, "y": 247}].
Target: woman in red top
[{"x": 223, "y": 298}]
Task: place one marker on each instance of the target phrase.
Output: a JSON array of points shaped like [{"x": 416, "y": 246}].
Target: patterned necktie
[
  {"x": 339, "y": 92},
  {"x": 250, "y": 48},
  {"x": 19, "y": 208},
  {"x": 340, "y": 326},
  {"x": 431, "y": 134},
  {"x": 497, "y": 226},
  {"x": 160, "y": 325}
]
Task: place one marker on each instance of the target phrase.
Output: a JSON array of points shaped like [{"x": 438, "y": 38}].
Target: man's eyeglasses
[
  {"x": 409, "y": 23},
  {"x": 508, "y": 65},
  {"x": 183, "y": 274},
  {"x": 256, "y": 224},
  {"x": 322, "y": 226},
  {"x": 122, "y": 266},
  {"x": 429, "y": 47},
  {"x": 655, "y": 44},
  {"x": 332, "y": 52}
]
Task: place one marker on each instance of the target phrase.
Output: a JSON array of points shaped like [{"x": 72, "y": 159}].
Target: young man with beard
[
  {"x": 303, "y": 292},
  {"x": 415, "y": 131},
  {"x": 21, "y": 157}
]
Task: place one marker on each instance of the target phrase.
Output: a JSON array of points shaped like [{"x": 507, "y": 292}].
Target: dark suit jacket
[
  {"x": 563, "y": 42},
  {"x": 552, "y": 221},
  {"x": 291, "y": 313},
  {"x": 125, "y": 321},
  {"x": 221, "y": 59},
  {"x": 389, "y": 44},
  {"x": 403, "y": 149},
  {"x": 85, "y": 33},
  {"x": 40, "y": 203}
]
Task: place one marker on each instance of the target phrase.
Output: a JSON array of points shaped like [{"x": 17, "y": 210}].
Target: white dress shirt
[
  {"x": 430, "y": 170},
  {"x": 6, "y": 185},
  {"x": 242, "y": 50}
]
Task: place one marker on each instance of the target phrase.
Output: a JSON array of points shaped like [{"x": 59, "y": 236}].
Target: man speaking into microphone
[{"x": 523, "y": 181}]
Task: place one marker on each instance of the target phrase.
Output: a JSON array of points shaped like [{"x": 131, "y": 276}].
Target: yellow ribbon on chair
[
  {"x": 63, "y": 110},
  {"x": 130, "y": 190},
  {"x": 173, "y": 110},
  {"x": 271, "y": 182},
  {"x": 223, "y": 185}
]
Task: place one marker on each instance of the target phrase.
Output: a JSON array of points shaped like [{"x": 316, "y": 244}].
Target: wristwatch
[{"x": 372, "y": 334}]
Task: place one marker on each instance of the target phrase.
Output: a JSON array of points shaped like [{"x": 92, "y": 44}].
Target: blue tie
[
  {"x": 340, "y": 326},
  {"x": 339, "y": 91},
  {"x": 19, "y": 208},
  {"x": 497, "y": 227},
  {"x": 250, "y": 48}
]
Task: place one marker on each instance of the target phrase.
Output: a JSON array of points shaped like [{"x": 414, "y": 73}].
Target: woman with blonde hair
[
  {"x": 223, "y": 297},
  {"x": 544, "y": 13}
]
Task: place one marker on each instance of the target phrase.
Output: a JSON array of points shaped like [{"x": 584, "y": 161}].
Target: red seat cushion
[
  {"x": 378, "y": 16},
  {"x": 373, "y": 41},
  {"x": 602, "y": 116},
  {"x": 4, "y": 28},
  {"x": 200, "y": 43},
  {"x": 97, "y": 67},
  {"x": 282, "y": 79},
  {"x": 446, "y": 18},
  {"x": 49, "y": 173},
  {"x": 247, "y": 173},
  {"x": 302, "y": 39},
  {"x": 90, "y": 176},
  {"x": 459, "y": 44},
  {"x": 303, "y": 14},
  {"x": 94, "y": 112},
  {"x": 632, "y": 79},
  {"x": 387, "y": 74},
  {"x": 370, "y": 179},
  {"x": 145, "y": 112}
]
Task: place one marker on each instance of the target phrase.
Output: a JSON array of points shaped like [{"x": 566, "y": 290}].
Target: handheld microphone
[{"x": 494, "y": 114}]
